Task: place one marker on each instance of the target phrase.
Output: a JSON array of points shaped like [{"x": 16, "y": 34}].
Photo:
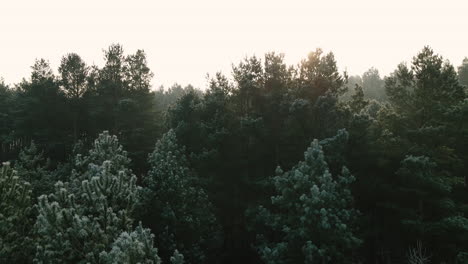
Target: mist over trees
[{"x": 273, "y": 163}]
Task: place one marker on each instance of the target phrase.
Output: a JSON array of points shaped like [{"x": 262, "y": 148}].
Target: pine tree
[
  {"x": 32, "y": 167},
  {"x": 373, "y": 85},
  {"x": 176, "y": 209},
  {"x": 463, "y": 73},
  {"x": 7, "y": 101},
  {"x": 423, "y": 91},
  {"x": 105, "y": 148},
  {"x": 35, "y": 101},
  {"x": 357, "y": 102},
  {"x": 78, "y": 222},
  {"x": 318, "y": 75},
  {"x": 73, "y": 80},
  {"x": 133, "y": 248},
  {"x": 177, "y": 258},
  {"x": 427, "y": 210},
  {"x": 335, "y": 147},
  {"x": 16, "y": 240},
  {"x": 310, "y": 219},
  {"x": 123, "y": 102}
]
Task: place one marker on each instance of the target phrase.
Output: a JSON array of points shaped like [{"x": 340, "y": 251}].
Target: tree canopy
[{"x": 273, "y": 163}]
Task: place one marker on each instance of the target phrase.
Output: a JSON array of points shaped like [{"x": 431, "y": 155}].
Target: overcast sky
[{"x": 185, "y": 40}]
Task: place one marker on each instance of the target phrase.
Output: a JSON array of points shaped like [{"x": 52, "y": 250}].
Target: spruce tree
[
  {"x": 177, "y": 210},
  {"x": 310, "y": 219}
]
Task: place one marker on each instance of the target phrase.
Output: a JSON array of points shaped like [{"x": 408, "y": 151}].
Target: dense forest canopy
[{"x": 275, "y": 163}]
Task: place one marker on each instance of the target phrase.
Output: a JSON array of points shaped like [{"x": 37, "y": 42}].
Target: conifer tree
[
  {"x": 176, "y": 209},
  {"x": 73, "y": 80},
  {"x": 35, "y": 100},
  {"x": 335, "y": 147},
  {"x": 373, "y": 85},
  {"x": 177, "y": 258},
  {"x": 310, "y": 219},
  {"x": 427, "y": 210},
  {"x": 16, "y": 244},
  {"x": 357, "y": 102},
  {"x": 78, "y": 222},
  {"x": 463, "y": 73},
  {"x": 105, "y": 148},
  {"x": 7, "y": 101},
  {"x": 422, "y": 91},
  {"x": 133, "y": 248},
  {"x": 32, "y": 167}
]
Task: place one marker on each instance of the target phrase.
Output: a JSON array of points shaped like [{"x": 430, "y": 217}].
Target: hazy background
[{"x": 184, "y": 40}]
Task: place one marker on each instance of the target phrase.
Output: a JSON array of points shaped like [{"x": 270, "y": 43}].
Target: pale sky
[{"x": 185, "y": 40}]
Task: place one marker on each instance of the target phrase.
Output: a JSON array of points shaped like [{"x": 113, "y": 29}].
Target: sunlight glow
[{"x": 185, "y": 40}]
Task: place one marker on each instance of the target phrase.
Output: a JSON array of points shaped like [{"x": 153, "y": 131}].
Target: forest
[{"x": 273, "y": 163}]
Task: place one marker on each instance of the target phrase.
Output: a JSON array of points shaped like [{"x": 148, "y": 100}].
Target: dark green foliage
[
  {"x": 463, "y": 73},
  {"x": 424, "y": 90},
  {"x": 73, "y": 80},
  {"x": 177, "y": 258},
  {"x": 78, "y": 222},
  {"x": 167, "y": 98},
  {"x": 318, "y": 75},
  {"x": 429, "y": 212},
  {"x": 404, "y": 137},
  {"x": 373, "y": 85},
  {"x": 133, "y": 248},
  {"x": 177, "y": 210},
  {"x": 32, "y": 167},
  {"x": 57, "y": 111},
  {"x": 123, "y": 103},
  {"x": 310, "y": 219},
  {"x": 36, "y": 106},
  {"x": 16, "y": 237},
  {"x": 6, "y": 120},
  {"x": 357, "y": 102}
]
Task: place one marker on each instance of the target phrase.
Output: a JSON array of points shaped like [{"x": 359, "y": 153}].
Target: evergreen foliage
[
  {"x": 463, "y": 73},
  {"x": 404, "y": 137},
  {"x": 373, "y": 85},
  {"x": 429, "y": 211},
  {"x": 133, "y": 248},
  {"x": 176, "y": 208},
  {"x": 105, "y": 148},
  {"x": 423, "y": 90},
  {"x": 177, "y": 258},
  {"x": 16, "y": 237},
  {"x": 311, "y": 216},
  {"x": 32, "y": 167},
  {"x": 76, "y": 224}
]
